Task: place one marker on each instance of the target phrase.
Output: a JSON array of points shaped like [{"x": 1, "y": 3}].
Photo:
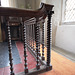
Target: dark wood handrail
[{"x": 16, "y": 12}]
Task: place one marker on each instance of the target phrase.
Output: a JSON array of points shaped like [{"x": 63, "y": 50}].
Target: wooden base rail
[{"x": 31, "y": 22}]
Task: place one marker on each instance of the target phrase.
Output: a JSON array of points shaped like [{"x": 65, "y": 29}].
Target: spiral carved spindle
[
  {"x": 25, "y": 53},
  {"x": 28, "y": 34},
  {"x": 39, "y": 38},
  {"x": 37, "y": 45},
  {"x": 49, "y": 38},
  {"x": 10, "y": 48},
  {"x": 31, "y": 37},
  {"x": 27, "y": 37},
  {"x": 43, "y": 58},
  {"x": 34, "y": 37}
]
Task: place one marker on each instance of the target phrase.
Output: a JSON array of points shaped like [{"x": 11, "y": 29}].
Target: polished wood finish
[
  {"x": 37, "y": 44},
  {"x": 10, "y": 49},
  {"x": 43, "y": 58},
  {"x": 39, "y": 38},
  {"x": 25, "y": 48},
  {"x": 49, "y": 38},
  {"x": 16, "y": 12}
]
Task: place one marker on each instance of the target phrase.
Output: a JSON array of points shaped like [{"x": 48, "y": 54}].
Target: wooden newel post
[
  {"x": 10, "y": 48},
  {"x": 49, "y": 31}
]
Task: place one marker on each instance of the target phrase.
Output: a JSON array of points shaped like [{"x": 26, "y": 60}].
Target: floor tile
[
  {"x": 1, "y": 71},
  {"x": 18, "y": 68},
  {"x": 7, "y": 70}
]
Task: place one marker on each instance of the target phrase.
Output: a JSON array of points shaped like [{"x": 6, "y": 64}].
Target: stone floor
[
  {"x": 61, "y": 65},
  {"x": 19, "y": 67},
  {"x": 4, "y": 54}
]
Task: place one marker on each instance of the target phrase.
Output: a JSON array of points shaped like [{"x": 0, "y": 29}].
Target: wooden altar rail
[{"x": 31, "y": 36}]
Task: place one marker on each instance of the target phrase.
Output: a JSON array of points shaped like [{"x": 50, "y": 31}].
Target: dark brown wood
[
  {"x": 37, "y": 44},
  {"x": 33, "y": 37},
  {"x": 39, "y": 38},
  {"x": 15, "y": 12},
  {"x": 43, "y": 58},
  {"x": 49, "y": 31},
  {"x": 29, "y": 36},
  {"x": 10, "y": 48},
  {"x": 25, "y": 48}
]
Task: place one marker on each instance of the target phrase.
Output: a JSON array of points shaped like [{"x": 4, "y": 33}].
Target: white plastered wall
[{"x": 63, "y": 36}]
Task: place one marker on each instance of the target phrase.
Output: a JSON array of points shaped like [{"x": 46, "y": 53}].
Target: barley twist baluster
[
  {"x": 43, "y": 58},
  {"x": 33, "y": 38},
  {"x": 29, "y": 37},
  {"x": 28, "y": 34},
  {"x": 49, "y": 31},
  {"x": 37, "y": 45},
  {"x": 10, "y": 48},
  {"x": 25, "y": 49},
  {"x": 39, "y": 37}
]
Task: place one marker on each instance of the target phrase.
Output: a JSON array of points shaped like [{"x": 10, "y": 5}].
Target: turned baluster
[
  {"x": 29, "y": 37},
  {"x": 37, "y": 45},
  {"x": 10, "y": 48},
  {"x": 49, "y": 31},
  {"x": 28, "y": 33},
  {"x": 33, "y": 38},
  {"x": 25, "y": 49},
  {"x": 43, "y": 58},
  {"x": 32, "y": 34},
  {"x": 39, "y": 38}
]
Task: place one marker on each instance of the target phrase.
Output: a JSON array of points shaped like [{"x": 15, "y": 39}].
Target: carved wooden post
[
  {"x": 39, "y": 37},
  {"x": 33, "y": 37},
  {"x": 25, "y": 54},
  {"x": 43, "y": 58},
  {"x": 37, "y": 44},
  {"x": 49, "y": 31},
  {"x": 29, "y": 37},
  {"x": 10, "y": 48},
  {"x": 28, "y": 34}
]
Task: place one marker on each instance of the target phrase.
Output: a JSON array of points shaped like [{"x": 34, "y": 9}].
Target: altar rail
[{"x": 31, "y": 21}]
